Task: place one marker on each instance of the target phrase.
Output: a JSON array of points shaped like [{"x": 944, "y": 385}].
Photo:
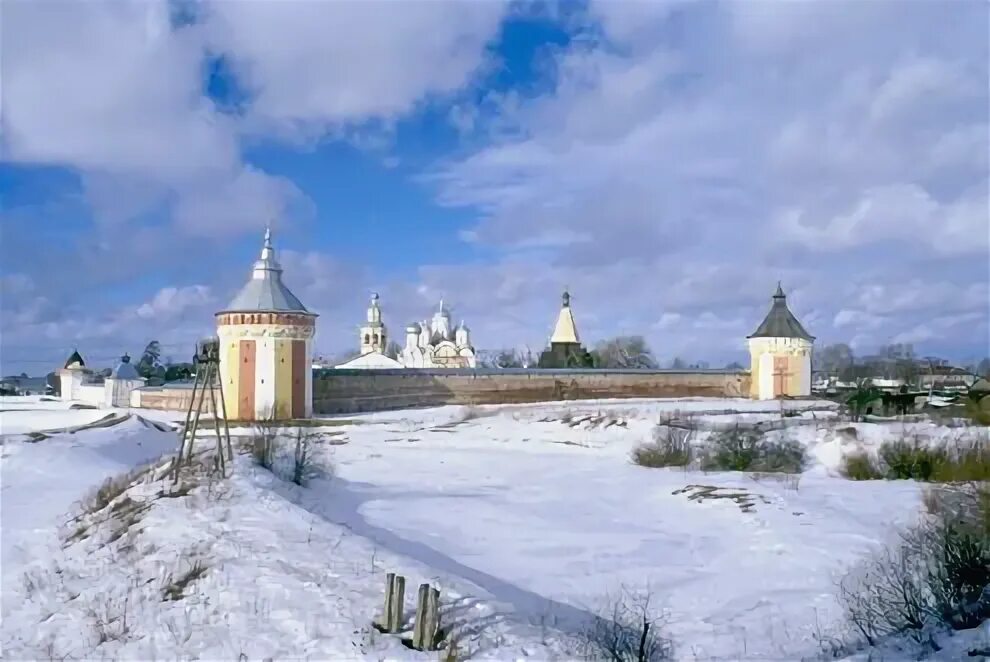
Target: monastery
[
  {"x": 266, "y": 347},
  {"x": 433, "y": 344}
]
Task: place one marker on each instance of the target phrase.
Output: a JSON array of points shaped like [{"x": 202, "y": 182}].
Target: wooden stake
[
  {"x": 398, "y": 596},
  {"x": 226, "y": 425},
  {"x": 216, "y": 414},
  {"x": 432, "y": 627},
  {"x": 185, "y": 431},
  {"x": 387, "y": 611},
  {"x": 419, "y": 627}
]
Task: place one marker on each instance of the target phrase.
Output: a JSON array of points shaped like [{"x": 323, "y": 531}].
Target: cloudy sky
[{"x": 668, "y": 162}]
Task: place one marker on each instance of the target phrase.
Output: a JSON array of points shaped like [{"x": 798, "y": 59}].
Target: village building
[
  {"x": 780, "y": 354},
  {"x": 437, "y": 344},
  {"x": 565, "y": 350},
  {"x": 266, "y": 347}
]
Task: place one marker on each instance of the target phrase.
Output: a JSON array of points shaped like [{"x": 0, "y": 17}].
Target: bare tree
[{"x": 624, "y": 352}]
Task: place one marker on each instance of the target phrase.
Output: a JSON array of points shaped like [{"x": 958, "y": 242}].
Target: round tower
[
  {"x": 266, "y": 347},
  {"x": 780, "y": 354}
]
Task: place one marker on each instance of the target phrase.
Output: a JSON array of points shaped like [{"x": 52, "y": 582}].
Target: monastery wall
[
  {"x": 348, "y": 391},
  {"x": 343, "y": 391}
]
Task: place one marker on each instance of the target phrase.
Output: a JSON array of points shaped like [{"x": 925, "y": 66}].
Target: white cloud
[
  {"x": 315, "y": 66},
  {"x": 170, "y": 302}
]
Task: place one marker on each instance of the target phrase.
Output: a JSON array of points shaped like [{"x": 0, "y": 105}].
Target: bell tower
[{"x": 373, "y": 334}]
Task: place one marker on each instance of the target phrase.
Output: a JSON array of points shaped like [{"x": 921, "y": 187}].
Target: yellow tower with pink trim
[{"x": 266, "y": 347}]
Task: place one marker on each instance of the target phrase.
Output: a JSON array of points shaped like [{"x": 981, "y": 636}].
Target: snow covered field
[{"x": 526, "y": 517}]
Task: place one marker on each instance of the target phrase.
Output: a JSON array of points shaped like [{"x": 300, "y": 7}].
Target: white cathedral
[{"x": 433, "y": 344}]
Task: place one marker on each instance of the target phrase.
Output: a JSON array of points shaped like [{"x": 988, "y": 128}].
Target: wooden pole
[
  {"x": 199, "y": 410},
  {"x": 185, "y": 431},
  {"x": 419, "y": 627},
  {"x": 432, "y": 619},
  {"x": 223, "y": 408},
  {"x": 395, "y": 609},
  {"x": 216, "y": 423}
]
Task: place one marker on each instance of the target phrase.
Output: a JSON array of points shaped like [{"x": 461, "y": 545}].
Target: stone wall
[
  {"x": 347, "y": 391},
  {"x": 172, "y": 398}
]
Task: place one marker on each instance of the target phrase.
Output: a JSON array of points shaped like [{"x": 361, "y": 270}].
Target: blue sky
[{"x": 668, "y": 162}]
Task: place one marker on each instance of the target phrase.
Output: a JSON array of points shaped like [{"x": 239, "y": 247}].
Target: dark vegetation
[
  {"x": 966, "y": 459},
  {"x": 935, "y": 577}
]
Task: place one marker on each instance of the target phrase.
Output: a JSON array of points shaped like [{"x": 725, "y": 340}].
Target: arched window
[
  {"x": 367, "y": 339},
  {"x": 375, "y": 338}
]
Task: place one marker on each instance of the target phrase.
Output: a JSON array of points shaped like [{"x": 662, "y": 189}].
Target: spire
[
  {"x": 265, "y": 291},
  {"x": 565, "y": 331},
  {"x": 780, "y": 321}
]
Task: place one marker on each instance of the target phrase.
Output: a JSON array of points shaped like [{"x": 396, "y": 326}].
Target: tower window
[{"x": 367, "y": 339}]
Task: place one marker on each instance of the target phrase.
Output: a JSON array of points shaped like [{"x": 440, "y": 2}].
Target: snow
[{"x": 525, "y": 517}]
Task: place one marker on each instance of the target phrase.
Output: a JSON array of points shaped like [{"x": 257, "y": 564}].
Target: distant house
[
  {"x": 947, "y": 378},
  {"x": 24, "y": 385}
]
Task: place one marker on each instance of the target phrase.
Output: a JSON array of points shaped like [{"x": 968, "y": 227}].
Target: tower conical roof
[
  {"x": 565, "y": 331},
  {"x": 75, "y": 360},
  {"x": 265, "y": 291},
  {"x": 780, "y": 321}
]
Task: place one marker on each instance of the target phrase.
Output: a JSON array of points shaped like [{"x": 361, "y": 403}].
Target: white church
[{"x": 433, "y": 344}]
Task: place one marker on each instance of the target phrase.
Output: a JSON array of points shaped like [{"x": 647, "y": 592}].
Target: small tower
[
  {"x": 462, "y": 335},
  {"x": 72, "y": 375},
  {"x": 373, "y": 334},
  {"x": 565, "y": 349},
  {"x": 266, "y": 347},
  {"x": 780, "y": 354},
  {"x": 123, "y": 379}
]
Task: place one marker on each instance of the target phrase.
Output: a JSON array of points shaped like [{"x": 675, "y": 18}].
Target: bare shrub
[
  {"x": 263, "y": 442},
  {"x": 741, "y": 449},
  {"x": 671, "y": 447},
  {"x": 861, "y": 466},
  {"x": 112, "y": 488},
  {"x": 936, "y": 576},
  {"x": 175, "y": 585},
  {"x": 303, "y": 464},
  {"x": 627, "y": 630}
]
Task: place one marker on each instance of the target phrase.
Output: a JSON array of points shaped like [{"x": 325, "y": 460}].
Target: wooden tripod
[{"x": 207, "y": 360}]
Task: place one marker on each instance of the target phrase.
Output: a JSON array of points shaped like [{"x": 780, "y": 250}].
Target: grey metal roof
[
  {"x": 265, "y": 291},
  {"x": 124, "y": 369},
  {"x": 780, "y": 321},
  {"x": 75, "y": 358}
]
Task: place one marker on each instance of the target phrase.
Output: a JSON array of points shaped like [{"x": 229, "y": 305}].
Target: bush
[
  {"x": 263, "y": 443},
  {"x": 936, "y": 576},
  {"x": 860, "y": 466},
  {"x": 910, "y": 457},
  {"x": 967, "y": 460},
  {"x": 740, "y": 449},
  {"x": 627, "y": 630},
  {"x": 671, "y": 447}
]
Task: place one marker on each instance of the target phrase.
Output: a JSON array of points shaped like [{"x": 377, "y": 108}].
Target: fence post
[
  {"x": 387, "y": 611},
  {"x": 419, "y": 627},
  {"x": 398, "y": 595},
  {"x": 432, "y": 627}
]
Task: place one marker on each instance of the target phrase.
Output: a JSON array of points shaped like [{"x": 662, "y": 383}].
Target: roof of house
[
  {"x": 780, "y": 321},
  {"x": 265, "y": 291},
  {"x": 565, "y": 330},
  {"x": 75, "y": 360}
]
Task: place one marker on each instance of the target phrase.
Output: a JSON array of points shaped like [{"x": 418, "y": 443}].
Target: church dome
[
  {"x": 266, "y": 292},
  {"x": 414, "y": 328}
]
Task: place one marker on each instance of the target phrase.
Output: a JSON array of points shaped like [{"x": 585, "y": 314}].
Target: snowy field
[{"x": 526, "y": 517}]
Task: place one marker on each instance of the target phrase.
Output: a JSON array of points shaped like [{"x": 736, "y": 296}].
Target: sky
[{"x": 667, "y": 162}]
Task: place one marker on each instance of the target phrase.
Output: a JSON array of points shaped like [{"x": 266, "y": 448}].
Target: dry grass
[
  {"x": 176, "y": 585},
  {"x": 741, "y": 449},
  {"x": 671, "y": 447}
]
